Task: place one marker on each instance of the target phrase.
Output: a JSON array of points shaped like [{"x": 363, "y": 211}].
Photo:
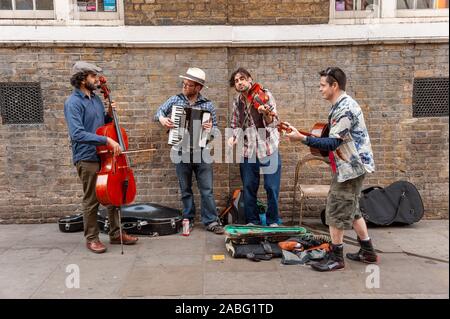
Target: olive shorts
[{"x": 343, "y": 202}]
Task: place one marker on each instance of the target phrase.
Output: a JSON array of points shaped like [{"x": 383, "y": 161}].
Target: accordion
[{"x": 188, "y": 121}]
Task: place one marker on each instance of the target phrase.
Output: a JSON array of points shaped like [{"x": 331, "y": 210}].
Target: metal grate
[
  {"x": 21, "y": 103},
  {"x": 430, "y": 97}
]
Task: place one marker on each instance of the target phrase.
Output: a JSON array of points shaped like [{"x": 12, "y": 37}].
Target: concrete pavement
[{"x": 38, "y": 261}]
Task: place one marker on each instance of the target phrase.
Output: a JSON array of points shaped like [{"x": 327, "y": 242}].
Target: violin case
[
  {"x": 71, "y": 224},
  {"x": 145, "y": 219}
]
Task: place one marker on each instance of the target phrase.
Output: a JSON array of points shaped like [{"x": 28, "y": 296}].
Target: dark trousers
[
  {"x": 87, "y": 171},
  {"x": 250, "y": 175}
]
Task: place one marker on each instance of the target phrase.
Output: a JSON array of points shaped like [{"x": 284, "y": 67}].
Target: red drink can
[{"x": 185, "y": 227}]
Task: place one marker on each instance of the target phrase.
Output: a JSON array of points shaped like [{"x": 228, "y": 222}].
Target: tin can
[{"x": 185, "y": 227}]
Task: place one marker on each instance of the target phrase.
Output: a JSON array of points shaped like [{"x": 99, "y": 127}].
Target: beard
[
  {"x": 243, "y": 88},
  {"x": 90, "y": 86}
]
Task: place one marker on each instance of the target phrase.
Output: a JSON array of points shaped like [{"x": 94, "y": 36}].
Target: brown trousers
[{"x": 87, "y": 171}]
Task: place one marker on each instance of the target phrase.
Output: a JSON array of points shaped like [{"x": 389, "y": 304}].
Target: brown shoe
[
  {"x": 127, "y": 239},
  {"x": 96, "y": 247}
]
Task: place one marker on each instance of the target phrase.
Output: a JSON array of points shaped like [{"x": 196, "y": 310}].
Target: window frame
[
  {"x": 353, "y": 14},
  {"x": 388, "y": 12},
  {"x": 33, "y": 14},
  {"x": 65, "y": 13},
  {"x": 95, "y": 15}
]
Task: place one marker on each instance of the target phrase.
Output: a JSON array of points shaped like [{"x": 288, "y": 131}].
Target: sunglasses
[{"x": 330, "y": 72}]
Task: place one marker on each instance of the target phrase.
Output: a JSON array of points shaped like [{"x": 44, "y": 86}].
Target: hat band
[{"x": 196, "y": 79}]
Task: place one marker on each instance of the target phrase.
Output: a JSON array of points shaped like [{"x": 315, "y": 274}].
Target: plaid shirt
[
  {"x": 202, "y": 103},
  {"x": 265, "y": 141}
]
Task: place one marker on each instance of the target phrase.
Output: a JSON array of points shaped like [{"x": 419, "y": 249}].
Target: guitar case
[
  {"x": 71, "y": 224},
  {"x": 243, "y": 234},
  {"x": 145, "y": 219},
  {"x": 259, "y": 242},
  {"x": 399, "y": 204}
]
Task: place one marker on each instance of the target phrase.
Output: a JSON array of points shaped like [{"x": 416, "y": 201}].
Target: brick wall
[
  {"x": 38, "y": 181},
  {"x": 247, "y": 12}
]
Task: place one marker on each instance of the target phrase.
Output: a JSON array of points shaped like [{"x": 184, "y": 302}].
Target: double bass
[{"x": 116, "y": 185}]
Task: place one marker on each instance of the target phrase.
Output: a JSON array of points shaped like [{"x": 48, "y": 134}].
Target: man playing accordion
[{"x": 190, "y": 155}]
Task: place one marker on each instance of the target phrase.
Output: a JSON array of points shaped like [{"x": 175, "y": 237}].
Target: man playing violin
[
  {"x": 349, "y": 141},
  {"x": 84, "y": 112},
  {"x": 254, "y": 122}
]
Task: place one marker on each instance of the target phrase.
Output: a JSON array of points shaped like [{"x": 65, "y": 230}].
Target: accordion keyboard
[{"x": 176, "y": 133}]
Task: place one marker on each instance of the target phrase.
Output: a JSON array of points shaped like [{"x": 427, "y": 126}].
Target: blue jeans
[
  {"x": 204, "y": 175},
  {"x": 250, "y": 174}
]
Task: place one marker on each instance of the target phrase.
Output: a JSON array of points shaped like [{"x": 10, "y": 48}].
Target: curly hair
[
  {"x": 77, "y": 78},
  {"x": 241, "y": 71}
]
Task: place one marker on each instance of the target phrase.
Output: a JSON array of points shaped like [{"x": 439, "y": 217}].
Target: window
[
  {"x": 98, "y": 9},
  {"x": 422, "y": 8},
  {"x": 422, "y": 4},
  {"x": 26, "y": 9},
  {"x": 387, "y": 11},
  {"x": 356, "y": 8},
  {"x": 62, "y": 12}
]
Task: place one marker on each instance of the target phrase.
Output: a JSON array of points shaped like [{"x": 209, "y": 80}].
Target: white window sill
[{"x": 45, "y": 22}]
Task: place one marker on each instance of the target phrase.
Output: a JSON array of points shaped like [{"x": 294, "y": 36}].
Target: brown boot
[
  {"x": 127, "y": 239},
  {"x": 96, "y": 246}
]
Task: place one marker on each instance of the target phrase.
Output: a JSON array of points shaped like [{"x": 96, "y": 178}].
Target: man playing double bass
[{"x": 84, "y": 112}]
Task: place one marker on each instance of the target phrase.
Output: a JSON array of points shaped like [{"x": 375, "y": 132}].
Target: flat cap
[{"x": 82, "y": 66}]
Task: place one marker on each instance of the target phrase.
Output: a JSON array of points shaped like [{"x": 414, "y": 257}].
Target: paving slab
[{"x": 414, "y": 264}]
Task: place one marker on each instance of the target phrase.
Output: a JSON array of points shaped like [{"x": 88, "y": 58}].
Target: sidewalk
[{"x": 34, "y": 259}]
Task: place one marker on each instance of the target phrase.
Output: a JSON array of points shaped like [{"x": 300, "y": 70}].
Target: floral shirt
[{"x": 354, "y": 156}]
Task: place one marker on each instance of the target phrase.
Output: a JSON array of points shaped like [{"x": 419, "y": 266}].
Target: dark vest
[{"x": 256, "y": 116}]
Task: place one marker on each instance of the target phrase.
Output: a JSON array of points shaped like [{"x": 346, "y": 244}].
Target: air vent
[
  {"x": 430, "y": 97},
  {"x": 21, "y": 103}
]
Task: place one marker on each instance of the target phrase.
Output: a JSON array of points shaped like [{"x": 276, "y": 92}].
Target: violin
[
  {"x": 257, "y": 97},
  {"x": 318, "y": 130},
  {"x": 115, "y": 185}
]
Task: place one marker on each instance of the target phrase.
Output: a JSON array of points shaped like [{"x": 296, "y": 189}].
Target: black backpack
[{"x": 399, "y": 203}]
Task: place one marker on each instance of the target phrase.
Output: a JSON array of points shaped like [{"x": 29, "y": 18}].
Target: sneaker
[
  {"x": 250, "y": 224},
  {"x": 215, "y": 228}
]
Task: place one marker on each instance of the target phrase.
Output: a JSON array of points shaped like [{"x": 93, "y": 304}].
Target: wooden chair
[{"x": 308, "y": 190}]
